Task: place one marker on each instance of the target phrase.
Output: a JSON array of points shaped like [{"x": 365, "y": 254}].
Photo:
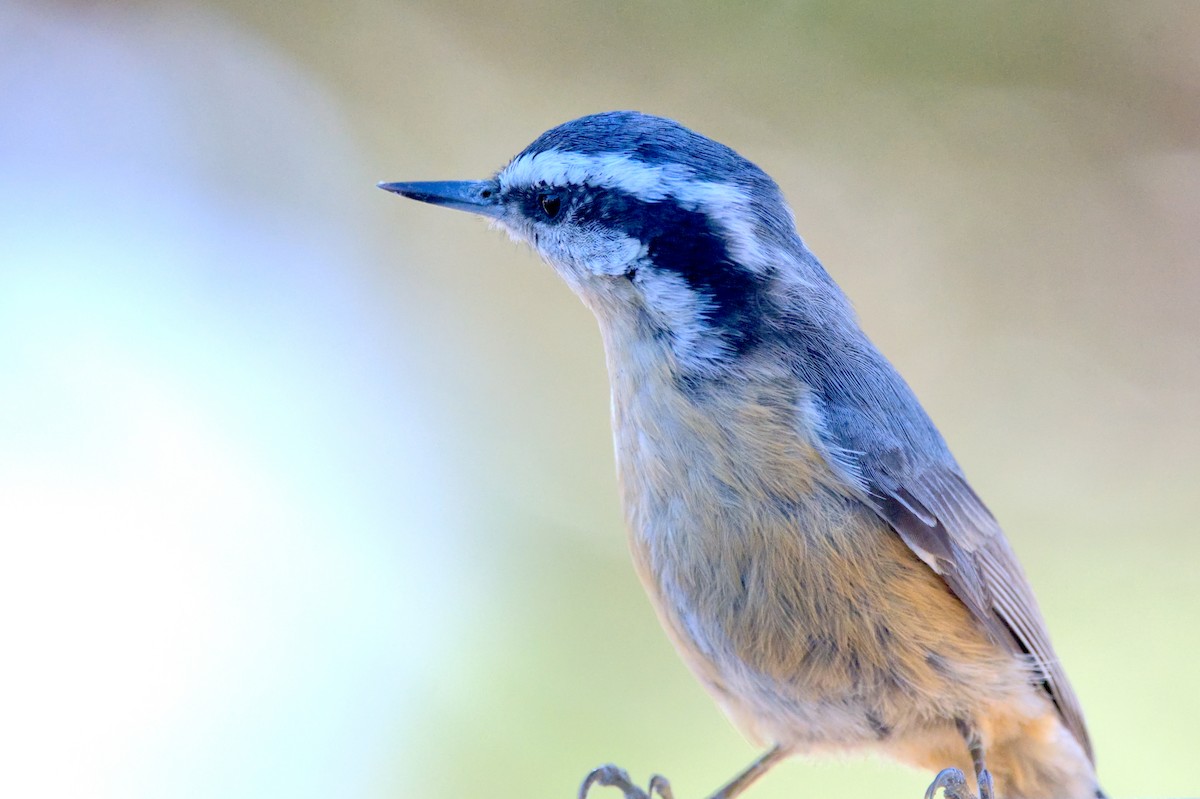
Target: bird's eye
[{"x": 551, "y": 203}]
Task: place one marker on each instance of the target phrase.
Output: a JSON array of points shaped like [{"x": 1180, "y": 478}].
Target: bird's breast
[
  {"x": 733, "y": 515},
  {"x": 788, "y": 597}
]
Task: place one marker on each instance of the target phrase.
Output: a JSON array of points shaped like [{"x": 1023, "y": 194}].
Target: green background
[{"x": 308, "y": 491}]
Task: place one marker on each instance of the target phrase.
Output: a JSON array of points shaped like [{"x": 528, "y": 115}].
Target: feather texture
[{"x": 943, "y": 521}]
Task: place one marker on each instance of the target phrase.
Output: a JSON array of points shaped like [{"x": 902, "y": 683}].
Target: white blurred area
[{"x": 213, "y": 482}]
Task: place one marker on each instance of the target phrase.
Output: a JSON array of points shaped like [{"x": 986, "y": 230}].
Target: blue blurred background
[{"x": 307, "y": 491}]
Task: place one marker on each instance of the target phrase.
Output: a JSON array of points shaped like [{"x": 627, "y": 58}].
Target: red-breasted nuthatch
[{"x": 808, "y": 541}]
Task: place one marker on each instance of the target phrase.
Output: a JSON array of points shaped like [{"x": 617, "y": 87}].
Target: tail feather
[{"x": 1041, "y": 759}]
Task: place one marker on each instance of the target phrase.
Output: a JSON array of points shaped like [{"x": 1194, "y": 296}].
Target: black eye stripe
[
  {"x": 688, "y": 243},
  {"x": 546, "y": 203}
]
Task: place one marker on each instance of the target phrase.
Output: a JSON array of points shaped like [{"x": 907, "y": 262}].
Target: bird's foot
[
  {"x": 986, "y": 789},
  {"x": 611, "y": 776},
  {"x": 952, "y": 782},
  {"x": 954, "y": 785}
]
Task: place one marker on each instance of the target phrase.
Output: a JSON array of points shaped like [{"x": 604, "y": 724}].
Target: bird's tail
[{"x": 1041, "y": 759}]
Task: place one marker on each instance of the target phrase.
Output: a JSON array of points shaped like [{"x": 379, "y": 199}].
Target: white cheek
[
  {"x": 578, "y": 254},
  {"x": 681, "y": 310},
  {"x": 607, "y": 253},
  {"x": 516, "y": 233}
]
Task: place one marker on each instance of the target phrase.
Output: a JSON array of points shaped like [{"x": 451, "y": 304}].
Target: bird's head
[{"x": 661, "y": 231}]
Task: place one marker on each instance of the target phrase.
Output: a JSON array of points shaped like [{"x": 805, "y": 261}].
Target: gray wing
[
  {"x": 943, "y": 521},
  {"x": 878, "y": 432}
]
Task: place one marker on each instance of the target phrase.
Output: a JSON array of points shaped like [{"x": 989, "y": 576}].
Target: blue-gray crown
[{"x": 651, "y": 140}]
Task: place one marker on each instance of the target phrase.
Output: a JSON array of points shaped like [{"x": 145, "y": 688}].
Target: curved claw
[
  {"x": 660, "y": 785},
  {"x": 987, "y": 790},
  {"x": 952, "y": 782},
  {"x": 609, "y": 775}
]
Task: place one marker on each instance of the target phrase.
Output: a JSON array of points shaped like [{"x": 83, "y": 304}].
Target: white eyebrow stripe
[
  {"x": 647, "y": 182},
  {"x": 724, "y": 203}
]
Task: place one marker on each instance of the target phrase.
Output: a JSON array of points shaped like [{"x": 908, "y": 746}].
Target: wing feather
[
  {"x": 969, "y": 551},
  {"x": 885, "y": 445}
]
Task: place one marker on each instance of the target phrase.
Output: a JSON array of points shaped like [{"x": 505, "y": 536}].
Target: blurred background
[{"x": 308, "y": 491}]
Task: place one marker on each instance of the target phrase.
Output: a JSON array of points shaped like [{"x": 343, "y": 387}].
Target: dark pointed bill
[{"x": 475, "y": 196}]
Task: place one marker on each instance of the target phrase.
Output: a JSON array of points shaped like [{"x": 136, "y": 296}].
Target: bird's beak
[{"x": 475, "y": 196}]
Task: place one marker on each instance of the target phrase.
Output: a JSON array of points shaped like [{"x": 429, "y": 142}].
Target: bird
[{"x": 808, "y": 541}]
